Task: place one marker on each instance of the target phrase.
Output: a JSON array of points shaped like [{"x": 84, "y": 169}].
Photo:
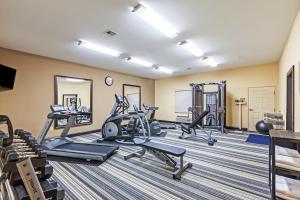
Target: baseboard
[
  {"x": 84, "y": 133},
  {"x": 171, "y": 122},
  {"x": 236, "y": 128},
  {"x": 228, "y": 127}
]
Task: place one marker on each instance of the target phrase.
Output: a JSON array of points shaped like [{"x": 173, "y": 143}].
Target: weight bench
[
  {"x": 191, "y": 130},
  {"x": 162, "y": 152}
]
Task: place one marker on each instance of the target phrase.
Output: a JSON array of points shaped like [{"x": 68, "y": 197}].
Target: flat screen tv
[{"x": 7, "y": 77}]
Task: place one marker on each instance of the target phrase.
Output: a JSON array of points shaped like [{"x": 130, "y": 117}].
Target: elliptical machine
[{"x": 112, "y": 128}]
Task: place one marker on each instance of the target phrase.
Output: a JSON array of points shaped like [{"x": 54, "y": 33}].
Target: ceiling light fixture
[
  {"x": 98, "y": 48},
  {"x": 189, "y": 46},
  {"x": 209, "y": 62},
  {"x": 139, "y": 61},
  {"x": 152, "y": 18},
  {"x": 164, "y": 69}
]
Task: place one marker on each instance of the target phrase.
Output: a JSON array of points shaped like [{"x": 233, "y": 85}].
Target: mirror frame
[
  {"x": 140, "y": 93},
  {"x": 56, "y": 126}
]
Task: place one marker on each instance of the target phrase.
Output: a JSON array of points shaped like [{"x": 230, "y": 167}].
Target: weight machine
[{"x": 213, "y": 101}]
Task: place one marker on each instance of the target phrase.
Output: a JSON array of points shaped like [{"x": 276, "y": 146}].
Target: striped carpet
[{"x": 232, "y": 169}]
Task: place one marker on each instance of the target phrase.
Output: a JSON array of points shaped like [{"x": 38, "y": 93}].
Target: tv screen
[{"x": 7, "y": 77}]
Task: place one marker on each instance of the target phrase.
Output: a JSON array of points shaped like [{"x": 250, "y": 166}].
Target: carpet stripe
[{"x": 232, "y": 169}]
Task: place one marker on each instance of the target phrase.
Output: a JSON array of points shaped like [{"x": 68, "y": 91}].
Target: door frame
[
  {"x": 275, "y": 100},
  {"x": 291, "y": 72}
]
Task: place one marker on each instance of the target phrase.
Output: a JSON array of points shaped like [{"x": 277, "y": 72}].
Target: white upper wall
[{"x": 233, "y": 32}]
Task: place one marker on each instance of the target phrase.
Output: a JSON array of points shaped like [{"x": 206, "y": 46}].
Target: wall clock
[{"x": 108, "y": 81}]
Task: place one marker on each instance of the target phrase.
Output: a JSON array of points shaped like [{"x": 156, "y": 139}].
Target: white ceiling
[{"x": 235, "y": 33}]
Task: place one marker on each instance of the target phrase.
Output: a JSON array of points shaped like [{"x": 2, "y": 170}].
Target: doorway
[
  {"x": 290, "y": 101},
  {"x": 261, "y": 100}
]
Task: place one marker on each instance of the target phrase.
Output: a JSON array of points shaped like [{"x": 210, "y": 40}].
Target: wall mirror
[
  {"x": 133, "y": 94},
  {"x": 75, "y": 94}
]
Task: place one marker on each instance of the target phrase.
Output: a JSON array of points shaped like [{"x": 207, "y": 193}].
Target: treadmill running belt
[
  {"x": 83, "y": 151},
  {"x": 88, "y": 148}
]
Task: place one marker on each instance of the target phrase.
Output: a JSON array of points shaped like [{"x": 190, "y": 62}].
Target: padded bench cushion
[{"x": 174, "y": 151}]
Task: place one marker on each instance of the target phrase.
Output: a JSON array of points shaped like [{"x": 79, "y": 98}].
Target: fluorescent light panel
[
  {"x": 98, "y": 48},
  {"x": 189, "y": 46},
  {"x": 152, "y": 18},
  {"x": 139, "y": 61},
  {"x": 165, "y": 70},
  {"x": 210, "y": 62}
]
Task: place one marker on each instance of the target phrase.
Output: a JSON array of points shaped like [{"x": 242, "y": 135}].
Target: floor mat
[{"x": 258, "y": 139}]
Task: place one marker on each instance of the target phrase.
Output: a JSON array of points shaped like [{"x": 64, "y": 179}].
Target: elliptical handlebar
[
  {"x": 120, "y": 106},
  {"x": 143, "y": 122},
  {"x": 135, "y": 108},
  {"x": 126, "y": 104}
]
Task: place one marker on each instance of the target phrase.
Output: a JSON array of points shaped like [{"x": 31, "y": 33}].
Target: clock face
[{"x": 109, "y": 81}]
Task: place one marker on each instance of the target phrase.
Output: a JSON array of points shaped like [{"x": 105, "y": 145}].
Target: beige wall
[
  {"x": 28, "y": 103},
  {"x": 290, "y": 57},
  {"x": 238, "y": 82}
]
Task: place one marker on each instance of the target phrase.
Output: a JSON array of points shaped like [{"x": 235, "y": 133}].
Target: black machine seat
[
  {"x": 191, "y": 129},
  {"x": 174, "y": 151},
  {"x": 196, "y": 122},
  {"x": 199, "y": 119}
]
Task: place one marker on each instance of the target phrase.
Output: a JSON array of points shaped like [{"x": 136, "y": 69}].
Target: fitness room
[{"x": 150, "y": 99}]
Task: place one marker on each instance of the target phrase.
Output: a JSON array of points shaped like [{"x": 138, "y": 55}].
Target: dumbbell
[
  {"x": 23, "y": 144},
  {"x": 22, "y": 135},
  {"x": 34, "y": 146},
  {"x": 28, "y": 148},
  {"x": 22, "y": 154},
  {"x": 25, "y": 148},
  {"x": 26, "y": 139},
  {"x": 50, "y": 188},
  {"x": 20, "y": 132},
  {"x": 43, "y": 173},
  {"x": 5, "y": 141},
  {"x": 8, "y": 164},
  {"x": 14, "y": 155}
]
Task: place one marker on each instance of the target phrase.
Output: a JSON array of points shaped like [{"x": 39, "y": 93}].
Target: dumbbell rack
[{"x": 24, "y": 168}]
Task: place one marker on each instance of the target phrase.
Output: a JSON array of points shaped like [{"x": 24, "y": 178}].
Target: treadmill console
[{"x": 57, "y": 108}]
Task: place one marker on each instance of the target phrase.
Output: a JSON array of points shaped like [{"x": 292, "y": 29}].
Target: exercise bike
[
  {"x": 112, "y": 128},
  {"x": 155, "y": 126},
  {"x": 155, "y": 123}
]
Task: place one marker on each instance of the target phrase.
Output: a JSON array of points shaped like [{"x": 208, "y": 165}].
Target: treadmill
[{"x": 64, "y": 146}]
